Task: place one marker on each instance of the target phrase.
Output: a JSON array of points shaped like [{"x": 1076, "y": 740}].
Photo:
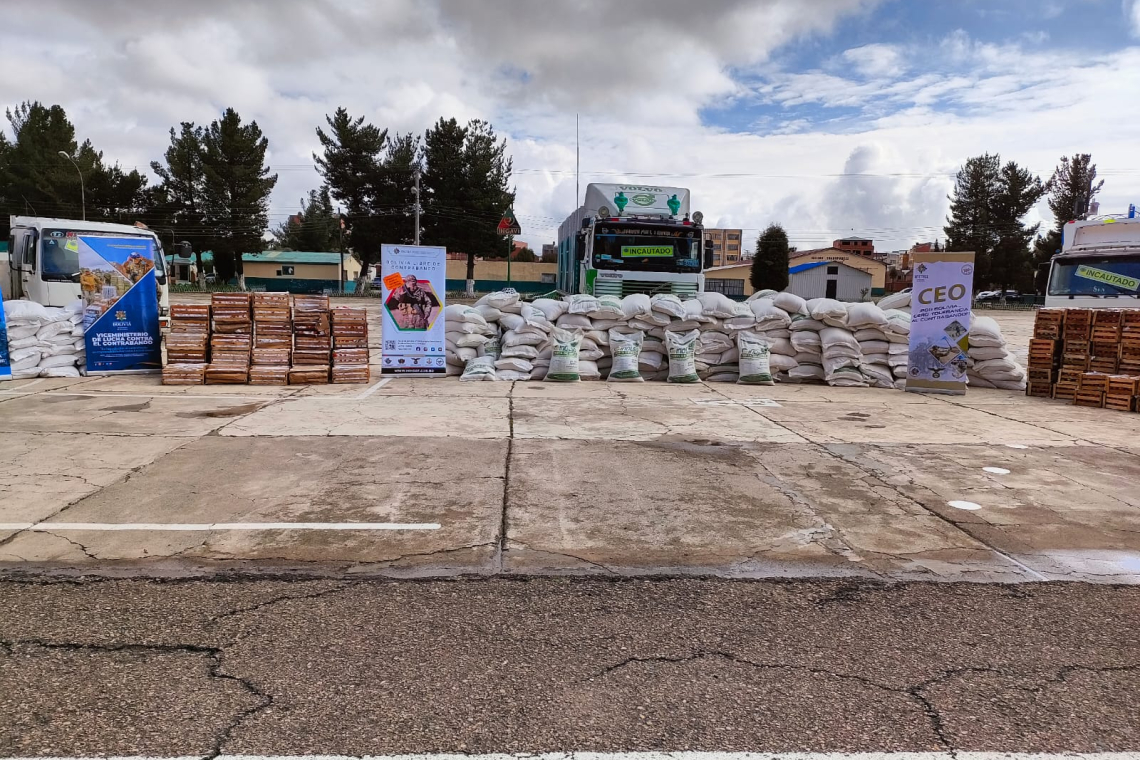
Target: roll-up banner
[
  {"x": 120, "y": 318},
  {"x": 5, "y": 359},
  {"x": 940, "y": 302},
  {"x": 414, "y": 282}
]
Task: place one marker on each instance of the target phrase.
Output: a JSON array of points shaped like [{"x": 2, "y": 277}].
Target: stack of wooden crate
[
  {"x": 231, "y": 313},
  {"x": 350, "y": 345},
  {"x": 229, "y": 359},
  {"x": 272, "y": 339},
  {"x": 187, "y": 345},
  {"x": 1068, "y": 380},
  {"x": 1130, "y": 342},
  {"x": 1104, "y": 346},
  {"x": 312, "y": 340}
]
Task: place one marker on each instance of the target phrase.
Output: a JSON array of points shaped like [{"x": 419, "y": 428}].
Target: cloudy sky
[{"x": 833, "y": 117}]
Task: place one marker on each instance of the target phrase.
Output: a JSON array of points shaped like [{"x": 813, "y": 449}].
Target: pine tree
[
  {"x": 315, "y": 228},
  {"x": 36, "y": 180},
  {"x": 970, "y": 226},
  {"x": 236, "y": 191},
  {"x": 444, "y": 189},
  {"x": 1011, "y": 262},
  {"x": 1071, "y": 189},
  {"x": 392, "y": 197},
  {"x": 178, "y": 200},
  {"x": 350, "y": 165},
  {"x": 770, "y": 264}
]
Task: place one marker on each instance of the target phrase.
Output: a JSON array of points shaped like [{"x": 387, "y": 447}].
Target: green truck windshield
[{"x": 647, "y": 249}]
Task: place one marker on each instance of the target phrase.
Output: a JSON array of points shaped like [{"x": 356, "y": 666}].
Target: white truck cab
[
  {"x": 43, "y": 266},
  {"x": 1098, "y": 266}
]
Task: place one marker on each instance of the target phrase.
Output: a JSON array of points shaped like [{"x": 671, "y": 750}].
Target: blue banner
[
  {"x": 5, "y": 359},
  {"x": 120, "y": 321}
]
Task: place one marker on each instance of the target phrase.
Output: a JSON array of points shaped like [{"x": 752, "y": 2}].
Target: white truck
[
  {"x": 1098, "y": 266},
  {"x": 42, "y": 267},
  {"x": 633, "y": 239}
]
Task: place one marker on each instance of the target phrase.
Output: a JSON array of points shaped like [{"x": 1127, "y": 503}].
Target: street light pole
[
  {"x": 416, "y": 190},
  {"x": 82, "y": 191}
]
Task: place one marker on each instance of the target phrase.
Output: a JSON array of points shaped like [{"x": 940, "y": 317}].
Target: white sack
[{"x": 791, "y": 303}]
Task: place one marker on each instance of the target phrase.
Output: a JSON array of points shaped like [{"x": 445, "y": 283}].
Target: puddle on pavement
[
  {"x": 127, "y": 408},
  {"x": 229, "y": 411}
]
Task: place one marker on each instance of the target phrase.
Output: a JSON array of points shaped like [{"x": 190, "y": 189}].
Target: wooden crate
[
  {"x": 1129, "y": 363},
  {"x": 1042, "y": 376},
  {"x": 1064, "y": 392},
  {"x": 1039, "y": 389},
  {"x": 1121, "y": 392},
  {"x": 1104, "y": 357},
  {"x": 1075, "y": 354},
  {"x": 1043, "y": 353},
  {"x": 1049, "y": 324},
  {"x": 1078, "y": 324},
  {"x": 1068, "y": 376},
  {"x": 1093, "y": 381},
  {"x": 1089, "y": 398}
]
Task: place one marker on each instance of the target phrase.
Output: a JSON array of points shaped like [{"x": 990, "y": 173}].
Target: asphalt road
[{"x": 290, "y": 667}]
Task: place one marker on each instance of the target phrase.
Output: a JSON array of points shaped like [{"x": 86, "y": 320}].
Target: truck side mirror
[{"x": 708, "y": 254}]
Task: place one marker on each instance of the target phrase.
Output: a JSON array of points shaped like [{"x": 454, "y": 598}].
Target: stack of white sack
[
  {"x": 666, "y": 313},
  {"x": 898, "y": 350},
  {"x": 899, "y": 301},
  {"x": 44, "y": 341},
  {"x": 720, "y": 319},
  {"x": 796, "y": 356},
  {"x": 868, "y": 325},
  {"x": 991, "y": 364},
  {"x": 472, "y": 331},
  {"x": 839, "y": 349}
]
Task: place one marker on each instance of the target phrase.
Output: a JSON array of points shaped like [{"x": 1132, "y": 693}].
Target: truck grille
[{"x": 623, "y": 288}]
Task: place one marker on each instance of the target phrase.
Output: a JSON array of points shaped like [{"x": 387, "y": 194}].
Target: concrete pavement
[
  {"x": 592, "y": 478},
  {"x": 146, "y": 668}
]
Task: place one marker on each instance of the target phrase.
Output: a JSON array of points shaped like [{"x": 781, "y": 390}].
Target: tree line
[
  {"x": 214, "y": 186},
  {"x": 988, "y": 206}
]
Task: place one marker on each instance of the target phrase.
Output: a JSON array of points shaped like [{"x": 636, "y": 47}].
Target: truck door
[{"x": 29, "y": 280}]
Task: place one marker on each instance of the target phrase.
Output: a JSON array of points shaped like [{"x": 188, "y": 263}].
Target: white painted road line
[
  {"x": 377, "y": 386},
  {"x": 49, "y": 527},
  {"x": 660, "y": 756}
]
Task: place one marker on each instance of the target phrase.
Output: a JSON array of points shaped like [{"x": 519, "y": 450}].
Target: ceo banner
[
  {"x": 120, "y": 318},
  {"x": 414, "y": 279},
  {"x": 940, "y": 322}
]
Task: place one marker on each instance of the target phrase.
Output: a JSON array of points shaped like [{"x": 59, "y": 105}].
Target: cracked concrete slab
[
  {"x": 377, "y": 415},
  {"x": 292, "y": 479},
  {"x": 603, "y": 418},
  {"x": 1059, "y": 512},
  {"x": 90, "y": 414},
  {"x": 41, "y": 473},
  {"x": 744, "y": 510}
]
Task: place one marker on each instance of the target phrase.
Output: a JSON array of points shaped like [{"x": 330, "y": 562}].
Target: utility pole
[{"x": 416, "y": 191}]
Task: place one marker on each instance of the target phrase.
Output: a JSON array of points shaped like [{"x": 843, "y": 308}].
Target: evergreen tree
[
  {"x": 392, "y": 198},
  {"x": 1071, "y": 189},
  {"x": 444, "y": 189},
  {"x": 315, "y": 228},
  {"x": 970, "y": 226},
  {"x": 236, "y": 191},
  {"x": 986, "y": 210},
  {"x": 488, "y": 173},
  {"x": 178, "y": 200},
  {"x": 350, "y": 165},
  {"x": 36, "y": 180},
  {"x": 1011, "y": 262},
  {"x": 770, "y": 264}
]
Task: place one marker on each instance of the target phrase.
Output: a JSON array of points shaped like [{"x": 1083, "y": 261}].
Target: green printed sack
[
  {"x": 565, "y": 345},
  {"x": 755, "y": 358},
  {"x": 626, "y": 350},
  {"x": 682, "y": 349}
]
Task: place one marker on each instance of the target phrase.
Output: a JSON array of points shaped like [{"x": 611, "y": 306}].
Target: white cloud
[
  {"x": 1132, "y": 13},
  {"x": 640, "y": 81}
]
